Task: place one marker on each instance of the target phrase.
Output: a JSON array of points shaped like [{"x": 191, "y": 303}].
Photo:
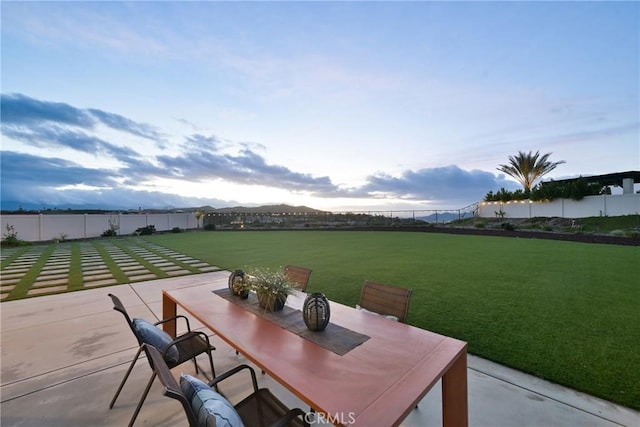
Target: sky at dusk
[{"x": 333, "y": 105}]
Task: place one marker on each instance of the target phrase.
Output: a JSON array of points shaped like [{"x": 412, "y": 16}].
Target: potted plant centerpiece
[{"x": 271, "y": 287}]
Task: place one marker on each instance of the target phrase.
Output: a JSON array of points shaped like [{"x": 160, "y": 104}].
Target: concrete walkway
[
  {"x": 64, "y": 355},
  {"x": 99, "y": 262}
]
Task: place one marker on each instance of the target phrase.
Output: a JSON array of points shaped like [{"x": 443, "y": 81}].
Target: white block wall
[
  {"x": 605, "y": 205},
  {"x": 39, "y": 227}
]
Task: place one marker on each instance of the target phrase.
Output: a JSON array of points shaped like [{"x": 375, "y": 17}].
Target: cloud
[
  {"x": 119, "y": 122},
  {"x": 19, "y": 111},
  {"x": 203, "y": 162},
  {"x": 20, "y": 171},
  {"x": 28, "y": 180},
  {"x": 199, "y": 158},
  {"x": 46, "y": 124},
  {"x": 434, "y": 184},
  {"x": 47, "y": 135}
]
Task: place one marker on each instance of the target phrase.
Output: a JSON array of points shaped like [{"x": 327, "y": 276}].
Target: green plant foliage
[
  {"x": 272, "y": 284},
  {"x": 146, "y": 231},
  {"x": 575, "y": 190},
  {"x": 507, "y": 226},
  {"x": 527, "y": 168},
  {"x": 10, "y": 237}
]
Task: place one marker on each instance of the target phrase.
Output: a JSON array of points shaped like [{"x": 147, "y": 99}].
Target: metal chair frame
[
  {"x": 260, "y": 408},
  {"x": 189, "y": 345}
]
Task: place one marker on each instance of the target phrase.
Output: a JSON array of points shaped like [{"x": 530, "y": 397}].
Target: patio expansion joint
[
  {"x": 142, "y": 299},
  {"x": 68, "y": 380}
]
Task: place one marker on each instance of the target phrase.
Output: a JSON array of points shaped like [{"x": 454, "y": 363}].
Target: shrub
[
  {"x": 480, "y": 225},
  {"x": 507, "y": 226},
  {"x": 10, "y": 237},
  {"x": 176, "y": 230},
  {"x": 114, "y": 226},
  {"x": 210, "y": 227},
  {"x": 633, "y": 233},
  {"x": 146, "y": 231},
  {"x": 61, "y": 238},
  {"x": 109, "y": 233},
  {"x": 576, "y": 189}
]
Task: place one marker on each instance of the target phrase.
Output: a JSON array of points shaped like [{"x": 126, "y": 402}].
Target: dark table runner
[{"x": 335, "y": 338}]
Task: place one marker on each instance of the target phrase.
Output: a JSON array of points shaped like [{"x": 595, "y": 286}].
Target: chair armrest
[
  {"x": 186, "y": 337},
  {"x": 292, "y": 414},
  {"x": 233, "y": 371},
  {"x": 179, "y": 316}
]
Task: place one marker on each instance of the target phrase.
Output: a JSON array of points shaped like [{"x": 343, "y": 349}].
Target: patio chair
[
  {"x": 205, "y": 407},
  {"x": 386, "y": 300},
  {"x": 174, "y": 351},
  {"x": 298, "y": 275}
]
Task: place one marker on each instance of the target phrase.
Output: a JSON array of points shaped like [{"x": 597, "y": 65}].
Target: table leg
[
  {"x": 454, "y": 394},
  {"x": 169, "y": 309}
]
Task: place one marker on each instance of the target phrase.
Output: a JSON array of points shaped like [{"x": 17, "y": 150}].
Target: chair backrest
[
  {"x": 118, "y": 306},
  {"x": 386, "y": 299},
  {"x": 298, "y": 275},
  {"x": 172, "y": 388}
]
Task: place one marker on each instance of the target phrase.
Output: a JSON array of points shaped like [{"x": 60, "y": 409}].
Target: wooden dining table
[{"x": 378, "y": 382}]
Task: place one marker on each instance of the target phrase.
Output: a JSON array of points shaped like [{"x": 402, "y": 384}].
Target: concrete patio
[{"x": 64, "y": 355}]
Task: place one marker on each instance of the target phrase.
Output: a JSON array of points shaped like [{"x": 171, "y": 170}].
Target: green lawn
[{"x": 564, "y": 311}]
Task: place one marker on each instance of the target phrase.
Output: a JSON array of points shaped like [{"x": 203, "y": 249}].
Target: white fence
[
  {"x": 605, "y": 205},
  {"x": 39, "y": 227}
]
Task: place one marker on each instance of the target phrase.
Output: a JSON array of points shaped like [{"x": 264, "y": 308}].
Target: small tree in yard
[
  {"x": 527, "y": 168},
  {"x": 10, "y": 237},
  {"x": 199, "y": 215}
]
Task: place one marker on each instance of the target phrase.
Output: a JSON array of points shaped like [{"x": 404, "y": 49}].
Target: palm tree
[
  {"x": 199, "y": 214},
  {"x": 528, "y": 168}
]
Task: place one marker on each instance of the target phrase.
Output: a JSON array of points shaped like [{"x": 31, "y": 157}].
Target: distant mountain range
[
  {"x": 444, "y": 217},
  {"x": 263, "y": 209},
  {"x": 282, "y": 208}
]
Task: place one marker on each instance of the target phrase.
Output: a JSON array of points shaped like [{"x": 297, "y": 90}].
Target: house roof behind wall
[{"x": 606, "y": 179}]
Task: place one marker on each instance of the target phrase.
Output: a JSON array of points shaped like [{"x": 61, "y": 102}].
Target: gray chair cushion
[
  {"x": 156, "y": 337},
  {"x": 210, "y": 407}
]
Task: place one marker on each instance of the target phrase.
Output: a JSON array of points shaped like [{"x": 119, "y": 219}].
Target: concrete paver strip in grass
[
  {"x": 137, "y": 272},
  {"x": 177, "y": 272},
  {"x": 49, "y": 277},
  {"x": 12, "y": 276},
  {"x": 95, "y": 267},
  {"x": 95, "y": 277},
  {"x": 96, "y": 283},
  {"x": 131, "y": 267},
  {"x": 39, "y": 291},
  {"x": 67, "y": 266},
  {"x": 143, "y": 277}
]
